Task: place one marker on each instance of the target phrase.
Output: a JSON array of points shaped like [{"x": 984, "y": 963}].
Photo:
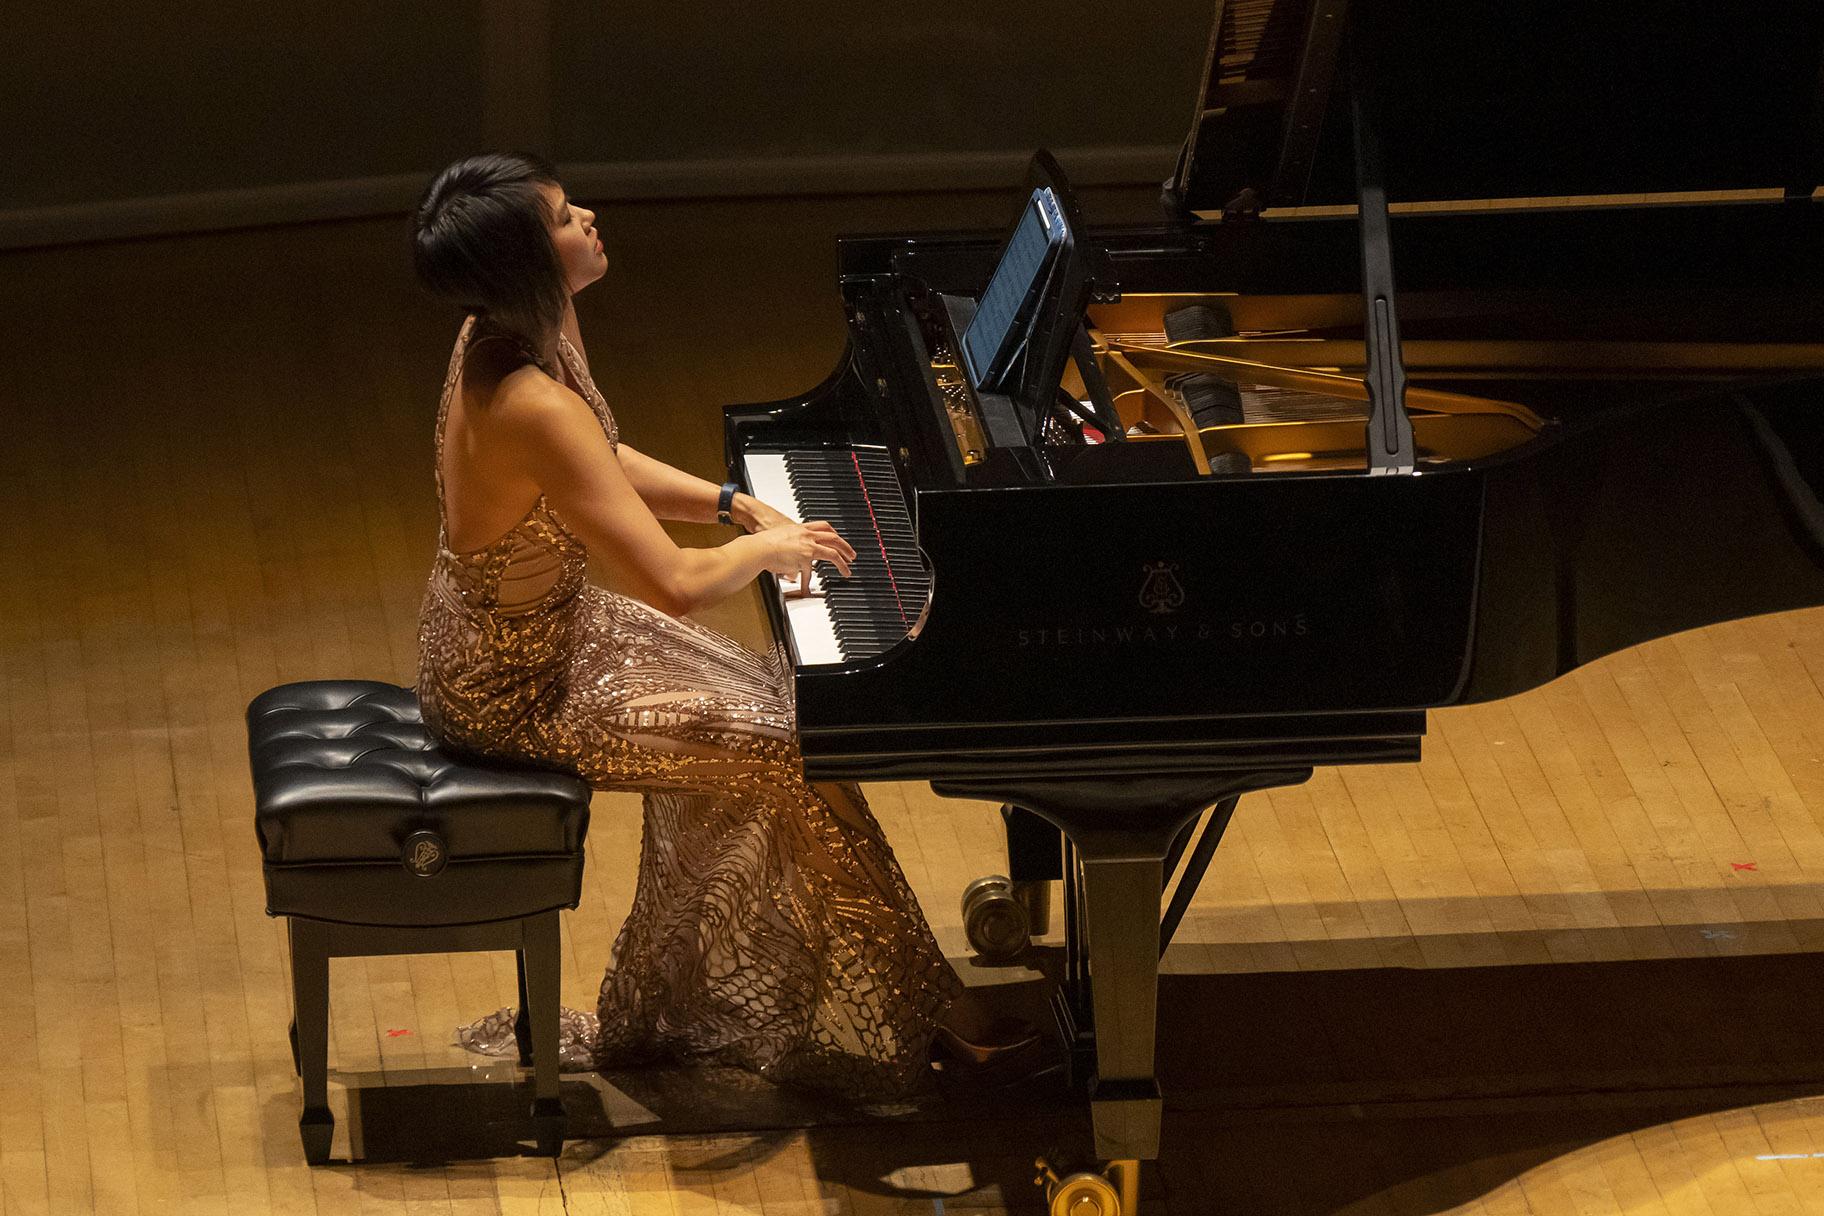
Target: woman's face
[{"x": 579, "y": 248}]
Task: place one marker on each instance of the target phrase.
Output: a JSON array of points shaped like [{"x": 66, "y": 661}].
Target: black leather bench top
[{"x": 344, "y": 771}]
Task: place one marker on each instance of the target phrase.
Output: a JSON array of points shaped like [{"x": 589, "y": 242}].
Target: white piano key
[
  {"x": 813, "y": 631},
  {"x": 807, "y": 616},
  {"x": 768, "y": 481}
]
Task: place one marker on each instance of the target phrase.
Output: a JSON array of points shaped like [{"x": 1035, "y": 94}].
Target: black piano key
[
  {"x": 858, "y": 494},
  {"x": 875, "y": 607}
]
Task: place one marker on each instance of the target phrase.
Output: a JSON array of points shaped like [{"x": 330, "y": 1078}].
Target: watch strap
[{"x": 725, "y": 502}]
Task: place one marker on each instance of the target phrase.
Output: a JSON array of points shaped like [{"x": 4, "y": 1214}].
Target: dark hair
[{"x": 480, "y": 239}]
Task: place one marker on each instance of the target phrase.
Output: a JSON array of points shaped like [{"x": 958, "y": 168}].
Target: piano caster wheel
[
  {"x": 994, "y": 919},
  {"x": 1113, "y": 1192}
]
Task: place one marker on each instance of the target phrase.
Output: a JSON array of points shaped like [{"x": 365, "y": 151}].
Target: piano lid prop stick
[
  {"x": 1507, "y": 357},
  {"x": 1247, "y": 371}
]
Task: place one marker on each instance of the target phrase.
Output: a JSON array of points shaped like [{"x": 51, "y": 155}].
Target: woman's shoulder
[
  {"x": 526, "y": 403},
  {"x": 499, "y": 376},
  {"x": 491, "y": 358}
]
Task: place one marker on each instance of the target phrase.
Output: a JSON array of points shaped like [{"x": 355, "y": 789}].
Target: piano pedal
[
  {"x": 995, "y": 919},
  {"x": 1113, "y": 1192}
]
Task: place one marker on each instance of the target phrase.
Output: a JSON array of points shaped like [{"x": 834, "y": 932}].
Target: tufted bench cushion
[{"x": 364, "y": 819}]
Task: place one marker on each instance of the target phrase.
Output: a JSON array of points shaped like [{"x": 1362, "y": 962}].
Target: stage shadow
[
  {"x": 440, "y": 1123},
  {"x": 1417, "y": 1091},
  {"x": 1408, "y": 1035},
  {"x": 1287, "y": 1094}
]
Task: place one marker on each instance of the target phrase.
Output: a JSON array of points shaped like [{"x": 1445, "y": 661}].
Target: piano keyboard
[{"x": 857, "y": 491}]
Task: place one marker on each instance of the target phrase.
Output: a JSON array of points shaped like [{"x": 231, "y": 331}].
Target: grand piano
[{"x": 1249, "y": 509}]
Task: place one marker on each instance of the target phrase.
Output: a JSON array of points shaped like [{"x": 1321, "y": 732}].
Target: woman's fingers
[
  {"x": 830, "y": 554},
  {"x": 827, "y": 553},
  {"x": 828, "y": 533},
  {"x": 822, "y": 545}
]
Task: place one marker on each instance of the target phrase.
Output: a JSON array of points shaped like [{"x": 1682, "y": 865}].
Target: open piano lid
[{"x": 1509, "y": 99}]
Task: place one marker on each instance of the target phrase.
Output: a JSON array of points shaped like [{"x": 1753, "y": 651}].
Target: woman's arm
[
  {"x": 674, "y": 494},
  {"x": 556, "y": 439},
  {"x": 671, "y": 492}
]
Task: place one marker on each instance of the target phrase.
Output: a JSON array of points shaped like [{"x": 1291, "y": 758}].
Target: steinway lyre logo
[
  {"x": 1160, "y": 590},
  {"x": 424, "y": 854}
]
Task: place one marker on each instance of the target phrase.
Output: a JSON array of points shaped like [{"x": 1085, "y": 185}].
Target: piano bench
[{"x": 376, "y": 841}]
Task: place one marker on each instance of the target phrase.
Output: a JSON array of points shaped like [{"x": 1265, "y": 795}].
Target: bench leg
[
  {"x": 522, "y": 1022},
  {"x": 310, "y": 1022},
  {"x": 542, "y": 969}
]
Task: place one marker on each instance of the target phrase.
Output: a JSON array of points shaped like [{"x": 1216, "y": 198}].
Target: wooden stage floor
[{"x": 1560, "y": 966}]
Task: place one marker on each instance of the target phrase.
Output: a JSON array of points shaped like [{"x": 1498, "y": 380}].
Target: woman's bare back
[{"x": 486, "y": 492}]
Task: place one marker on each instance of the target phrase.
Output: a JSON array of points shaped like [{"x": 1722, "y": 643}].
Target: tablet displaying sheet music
[{"x": 1004, "y": 315}]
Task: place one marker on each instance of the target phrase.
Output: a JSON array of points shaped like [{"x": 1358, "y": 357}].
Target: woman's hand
[
  {"x": 791, "y": 548},
  {"x": 756, "y": 516}
]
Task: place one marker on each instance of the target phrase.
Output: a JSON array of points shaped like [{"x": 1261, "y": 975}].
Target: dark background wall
[
  {"x": 119, "y": 119},
  {"x": 108, "y": 101},
  {"x": 821, "y": 77}
]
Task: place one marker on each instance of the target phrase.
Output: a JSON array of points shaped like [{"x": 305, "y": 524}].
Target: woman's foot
[
  {"x": 971, "y": 1037},
  {"x": 1010, "y": 1037}
]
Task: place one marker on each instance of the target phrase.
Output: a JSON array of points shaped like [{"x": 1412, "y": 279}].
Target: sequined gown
[{"x": 770, "y": 929}]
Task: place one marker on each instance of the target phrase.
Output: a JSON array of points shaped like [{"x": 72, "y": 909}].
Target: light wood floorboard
[{"x": 215, "y": 477}]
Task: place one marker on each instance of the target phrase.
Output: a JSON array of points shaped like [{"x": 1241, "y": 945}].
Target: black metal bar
[
  {"x": 1107, "y": 418},
  {"x": 1195, "y": 868},
  {"x": 1179, "y": 843},
  {"x": 1310, "y": 97},
  {"x": 1075, "y": 974},
  {"x": 1390, "y": 445}
]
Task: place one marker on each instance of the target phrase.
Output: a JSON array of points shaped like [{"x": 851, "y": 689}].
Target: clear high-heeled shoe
[{"x": 1006, "y": 1041}]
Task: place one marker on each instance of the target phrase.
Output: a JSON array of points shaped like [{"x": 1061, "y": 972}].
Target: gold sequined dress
[{"x": 771, "y": 928}]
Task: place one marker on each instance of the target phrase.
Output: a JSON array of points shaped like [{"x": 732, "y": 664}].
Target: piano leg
[
  {"x": 1121, "y": 903},
  {"x": 1120, "y": 834}
]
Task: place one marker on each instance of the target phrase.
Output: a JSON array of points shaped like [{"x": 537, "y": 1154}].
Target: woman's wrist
[
  {"x": 741, "y": 511},
  {"x": 753, "y": 555}
]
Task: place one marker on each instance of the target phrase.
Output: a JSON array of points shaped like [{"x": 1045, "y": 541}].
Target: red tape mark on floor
[
  {"x": 394, "y": 1034},
  {"x": 1745, "y": 865}
]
